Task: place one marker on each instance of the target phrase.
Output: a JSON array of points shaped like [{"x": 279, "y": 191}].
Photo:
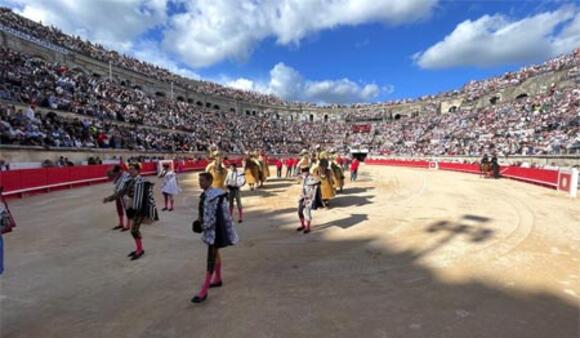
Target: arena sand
[{"x": 401, "y": 253}]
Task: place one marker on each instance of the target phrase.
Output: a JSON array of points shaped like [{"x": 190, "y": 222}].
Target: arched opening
[
  {"x": 277, "y": 116},
  {"x": 291, "y": 118},
  {"x": 180, "y": 99},
  {"x": 199, "y": 103},
  {"x": 208, "y": 104},
  {"x": 96, "y": 75},
  {"x": 325, "y": 118},
  {"x": 452, "y": 109},
  {"x": 190, "y": 101},
  {"x": 397, "y": 117},
  {"x": 311, "y": 118},
  {"x": 160, "y": 94},
  {"x": 79, "y": 69},
  {"x": 253, "y": 113},
  {"x": 522, "y": 96},
  {"x": 38, "y": 57},
  {"x": 216, "y": 107},
  {"x": 494, "y": 99},
  {"x": 248, "y": 112},
  {"x": 232, "y": 110}
]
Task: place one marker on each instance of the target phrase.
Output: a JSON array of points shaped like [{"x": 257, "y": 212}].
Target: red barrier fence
[
  {"x": 400, "y": 163},
  {"x": 466, "y": 168},
  {"x": 544, "y": 177},
  {"x": 30, "y": 180},
  {"x": 18, "y": 182}
]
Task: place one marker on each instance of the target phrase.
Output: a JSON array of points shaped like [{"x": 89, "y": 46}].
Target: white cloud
[
  {"x": 210, "y": 31},
  {"x": 205, "y": 32},
  {"x": 287, "y": 83},
  {"x": 242, "y": 84},
  {"x": 113, "y": 23},
  {"x": 340, "y": 91},
  {"x": 495, "y": 40},
  {"x": 150, "y": 51}
]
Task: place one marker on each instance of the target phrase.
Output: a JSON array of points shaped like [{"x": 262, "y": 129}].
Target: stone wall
[{"x": 16, "y": 154}]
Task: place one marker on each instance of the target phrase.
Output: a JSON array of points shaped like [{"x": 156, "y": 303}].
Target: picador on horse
[{"x": 489, "y": 168}]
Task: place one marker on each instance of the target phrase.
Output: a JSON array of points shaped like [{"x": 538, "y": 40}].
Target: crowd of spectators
[
  {"x": 40, "y": 96},
  {"x": 13, "y": 21},
  {"x": 548, "y": 123}
]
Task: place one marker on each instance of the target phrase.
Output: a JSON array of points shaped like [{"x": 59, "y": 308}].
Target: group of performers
[{"x": 322, "y": 178}]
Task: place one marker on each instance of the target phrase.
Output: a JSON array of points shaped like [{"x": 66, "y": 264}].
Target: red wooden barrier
[
  {"x": 533, "y": 175},
  {"x": 548, "y": 178},
  {"x": 17, "y": 182},
  {"x": 463, "y": 167}
]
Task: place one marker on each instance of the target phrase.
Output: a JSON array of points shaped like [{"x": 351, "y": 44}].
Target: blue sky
[{"x": 325, "y": 51}]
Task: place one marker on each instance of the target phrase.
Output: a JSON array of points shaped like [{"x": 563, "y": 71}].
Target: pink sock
[
  {"x": 217, "y": 273},
  {"x": 302, "y": 222},
  {"x": 240, "y": 212},
  {"x": 139, "y": 244},
  {"x": 308, "y": 225},
  {"x": 121, "y": 219},
  {"x": 205, "y": 285}
]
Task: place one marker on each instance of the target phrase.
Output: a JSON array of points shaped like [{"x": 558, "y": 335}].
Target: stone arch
[{"x": 522, "y": 96}]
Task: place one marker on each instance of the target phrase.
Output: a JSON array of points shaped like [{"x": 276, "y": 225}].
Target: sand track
[{"x": 402, "y": 253}]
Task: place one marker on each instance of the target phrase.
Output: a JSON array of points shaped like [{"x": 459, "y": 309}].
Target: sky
[{"x": 324, "y": 51}]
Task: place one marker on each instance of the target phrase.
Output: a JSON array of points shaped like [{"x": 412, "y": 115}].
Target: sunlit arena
[{"x": 289, "y": 168}]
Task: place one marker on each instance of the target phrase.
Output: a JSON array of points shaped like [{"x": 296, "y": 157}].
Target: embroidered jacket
[{"x": 209, "y": 217}]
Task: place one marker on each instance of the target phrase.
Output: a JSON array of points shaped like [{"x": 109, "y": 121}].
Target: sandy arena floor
[{"x": 402, "y": 253}]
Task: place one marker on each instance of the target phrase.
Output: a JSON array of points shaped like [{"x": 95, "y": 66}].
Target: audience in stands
[{"x": 50, "y": 105}]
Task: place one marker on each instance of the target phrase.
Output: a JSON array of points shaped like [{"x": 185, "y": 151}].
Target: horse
[{"x": 485, "y": 169}]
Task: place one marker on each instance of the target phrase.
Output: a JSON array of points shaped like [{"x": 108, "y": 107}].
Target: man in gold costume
[
  {"x": 252, "y": 170},
  {"x": 217, "y": 170},
  {"x": 338, "y": 174},
  {"x": 263, "y": 159},
  {"x": 322, "y": 170}
]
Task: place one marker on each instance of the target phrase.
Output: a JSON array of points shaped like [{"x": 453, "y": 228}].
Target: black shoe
[
  {"x": 118, "y": 227},
  {"x": 125, "y": 229},
  {"x": 300, "y": 229},
  {"x": 171, "y": 209},
  {"x": 216, "y": 285},
  {"x": 132, "y": 254},
  {"x": 138, "y": 255},
  {"x": 164, "y": 209},
  {"x": 307, "y": 231},
  {"x": 239, "y": 221},
  {"x": 198, "y": 299}
]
